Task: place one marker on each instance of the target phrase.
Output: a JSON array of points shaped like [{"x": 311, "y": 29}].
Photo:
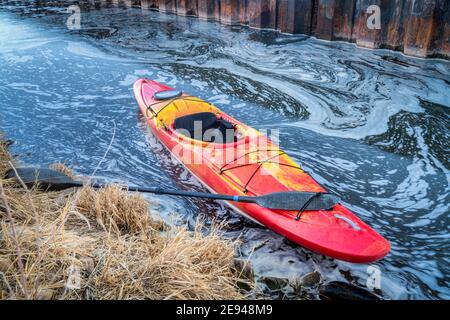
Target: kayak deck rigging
[
  {"x": 172, "y": 100},
  {"x": 260, "y": 163}
]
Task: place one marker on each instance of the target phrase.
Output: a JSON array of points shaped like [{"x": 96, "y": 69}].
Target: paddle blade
[
  {"x": 42, "y": 178},
  {"x": 295, "y": 200}
]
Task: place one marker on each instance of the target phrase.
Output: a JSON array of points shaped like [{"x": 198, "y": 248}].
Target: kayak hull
[{"x": 235, "y": 169}]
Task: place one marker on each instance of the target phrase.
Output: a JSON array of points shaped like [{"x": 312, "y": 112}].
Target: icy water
[{"x": 371, "y": 126}]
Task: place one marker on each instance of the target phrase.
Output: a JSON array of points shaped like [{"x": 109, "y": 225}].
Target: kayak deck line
[
  {"x": 260, "y": 163},
  {"x": 168, "y": 103}
]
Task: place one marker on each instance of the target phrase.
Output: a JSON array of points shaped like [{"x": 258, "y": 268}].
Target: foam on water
[{"x": 371, "y": 130}]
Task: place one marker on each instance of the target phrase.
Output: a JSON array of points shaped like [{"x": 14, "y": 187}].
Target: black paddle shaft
[
  {"x": 182, "y": 193},
  {"x": 293, "y": 200},
  {"x": 51, "y": 180}
]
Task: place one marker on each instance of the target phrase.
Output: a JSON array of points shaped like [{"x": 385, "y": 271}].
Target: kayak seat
[{"x": 207, "y": 126}]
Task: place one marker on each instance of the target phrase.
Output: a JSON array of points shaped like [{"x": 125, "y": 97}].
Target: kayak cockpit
[
  {"x": 195, "y": 119},
  {"x": 206, "y": 127}
]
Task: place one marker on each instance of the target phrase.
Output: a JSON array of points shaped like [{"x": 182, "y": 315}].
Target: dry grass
[
  {"x": 104, "y": 244},
  {"x": 116, "y": 211},
  {"x": 61, "y": 167},
  {"x": 5, "y": 157}
]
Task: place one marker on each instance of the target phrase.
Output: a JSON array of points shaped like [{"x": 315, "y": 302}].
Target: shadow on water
[{"x": 371, "y": 126}]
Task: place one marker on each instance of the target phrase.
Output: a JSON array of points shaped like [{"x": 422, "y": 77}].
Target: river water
[{"x": 371, "y": 126}]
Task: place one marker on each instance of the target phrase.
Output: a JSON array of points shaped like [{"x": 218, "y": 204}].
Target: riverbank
[{"x": 106, "y": 244}]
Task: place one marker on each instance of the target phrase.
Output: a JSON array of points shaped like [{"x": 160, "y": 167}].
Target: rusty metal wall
[
  {"x": 416, "y": 27},
  {"x": 187, "y": 7}
]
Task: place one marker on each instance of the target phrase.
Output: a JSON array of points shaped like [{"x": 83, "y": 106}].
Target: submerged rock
[
  {"x": 398, "y": 61},
  {"x": 338, "y": 290},
  {"x": 8, "y": 143},
  {"x": 97, "y": 33},
  {"x": 311, "y": 279},
  {"x": 244, "y": 268},
  {"x": 274, "y": 283}
]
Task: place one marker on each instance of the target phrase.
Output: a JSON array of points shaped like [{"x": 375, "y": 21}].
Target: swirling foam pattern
[{"x": 372, "y": 126}]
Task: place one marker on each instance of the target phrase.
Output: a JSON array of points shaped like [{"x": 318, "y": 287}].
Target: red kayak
[{"x": 243, "y": 162}]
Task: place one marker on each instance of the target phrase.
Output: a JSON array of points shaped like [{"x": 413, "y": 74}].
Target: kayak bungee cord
[
  {"x": 222, "y": 169},
  {"x": 307, "y": 203},
  {"x": 172, "y": 101},
  {"x": 260, "y": 163},
  {"x": 184, "y": 98}
]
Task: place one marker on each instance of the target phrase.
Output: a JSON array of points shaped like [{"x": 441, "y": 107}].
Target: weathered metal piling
[
  {"x": 262, "y": 13},
  {"x": 415, "y": 27},
  {"x": 208, "y": 9},
  {"x": 187, "y": 7}
]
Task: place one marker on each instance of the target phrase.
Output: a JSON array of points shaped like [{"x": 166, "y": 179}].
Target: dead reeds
[{"x": 104, "y": 244}]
